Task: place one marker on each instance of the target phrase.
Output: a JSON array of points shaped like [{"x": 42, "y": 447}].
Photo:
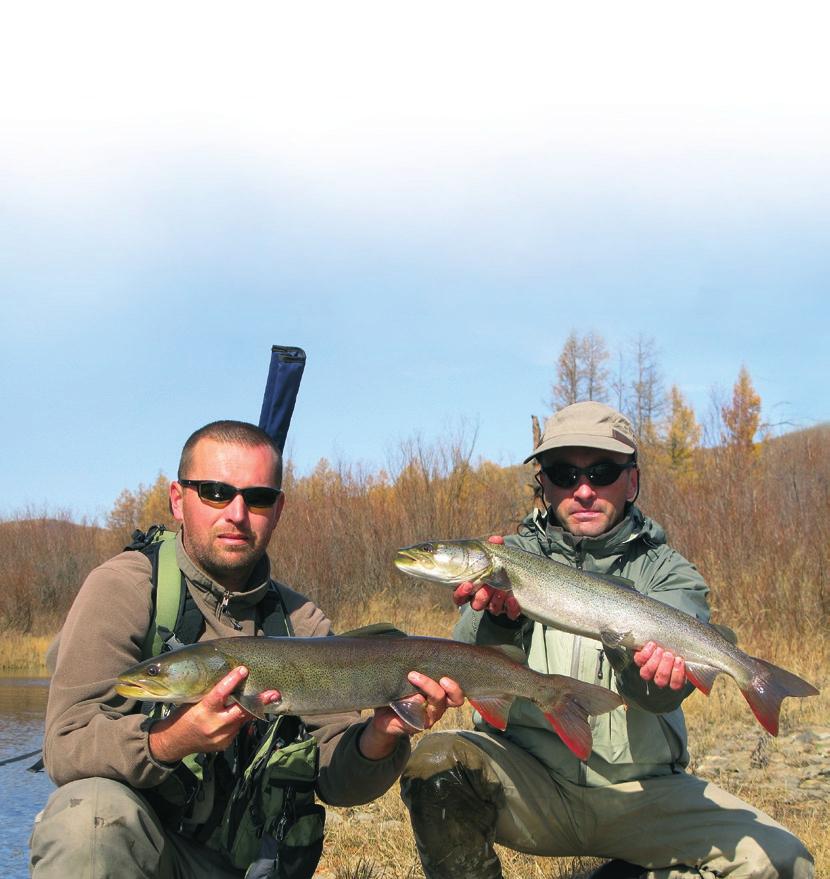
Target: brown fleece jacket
[{"x": 91, "y": 731}]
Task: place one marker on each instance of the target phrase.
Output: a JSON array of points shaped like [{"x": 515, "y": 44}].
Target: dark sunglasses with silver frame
[
  {"x": 221, "y": 493},
  {"x": 603, "y": 473}
]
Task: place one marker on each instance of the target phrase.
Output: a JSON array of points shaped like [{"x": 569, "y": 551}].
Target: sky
[{"x": 428, "y": 199}]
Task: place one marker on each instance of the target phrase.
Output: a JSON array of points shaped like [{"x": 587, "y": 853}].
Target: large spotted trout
[
  {"x": 613, "y": 613},
  {"x": 368, "y": 668}
]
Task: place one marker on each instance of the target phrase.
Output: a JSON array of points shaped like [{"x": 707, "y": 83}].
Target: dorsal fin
[
  {"x": 374, "y": 630},
  {"x": 511, "y": 651}
]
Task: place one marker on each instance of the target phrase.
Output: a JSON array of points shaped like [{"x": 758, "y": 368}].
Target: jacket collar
[{"x": 632, "y": 527}]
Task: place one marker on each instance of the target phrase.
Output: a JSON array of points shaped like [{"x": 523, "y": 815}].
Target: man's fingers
[
  {"x": 495, "y": 539},
  {"x": 218, "y": 696},
  {"x": 455, "y": 695},
  {"x": 438, "y": 695},
  {"x": 511, "y": 608},
  {"x": 678, "y": 674},
  {"x": 642, "y": 656},
  {"x": 432, "y": 690},
  {"x": 463, "y": 593}
]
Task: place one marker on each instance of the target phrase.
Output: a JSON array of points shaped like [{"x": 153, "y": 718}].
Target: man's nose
[
  {"x": 237, "y": 509},
  {"x": 584, "y": 489}
]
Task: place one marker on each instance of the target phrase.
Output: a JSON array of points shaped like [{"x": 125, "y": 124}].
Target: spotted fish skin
[
  {"x": 598, "y": 607},
  {"x": 368, "y": 669}
]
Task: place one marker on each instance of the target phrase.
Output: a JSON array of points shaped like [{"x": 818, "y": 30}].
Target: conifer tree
[{"x": 741, "y": 418}]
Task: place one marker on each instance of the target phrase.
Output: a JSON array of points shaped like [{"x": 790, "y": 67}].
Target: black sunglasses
[
  {"x": 221, "y": 494},
  {"x": 564, "y": 475}
]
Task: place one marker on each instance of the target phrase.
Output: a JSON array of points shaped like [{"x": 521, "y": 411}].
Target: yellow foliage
[
  {"x": 147, "y": 505},
  {"x": 742, "y": 417},
  {"x": 683, "y": 432}
]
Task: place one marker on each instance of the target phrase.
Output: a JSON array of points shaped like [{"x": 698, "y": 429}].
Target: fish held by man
[
  {"x": 597, "y": 607},
  {"x": 368, "y": 668}
]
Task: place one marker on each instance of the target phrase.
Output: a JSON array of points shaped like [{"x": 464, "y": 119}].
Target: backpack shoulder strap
[
  {"x": 170, "y": 594},
  {"x": 274, "y": 620},
  {"x": 169, "y": 590}
]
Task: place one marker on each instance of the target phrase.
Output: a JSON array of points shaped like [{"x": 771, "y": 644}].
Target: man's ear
[
  {"x": 280, "y": 504},
  {"x": 177, "y": 501},
  {"x": 633, "y": 484}
]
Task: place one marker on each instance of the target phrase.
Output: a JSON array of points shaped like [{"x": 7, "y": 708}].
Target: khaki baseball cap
[{"x": 589, "y": 424}]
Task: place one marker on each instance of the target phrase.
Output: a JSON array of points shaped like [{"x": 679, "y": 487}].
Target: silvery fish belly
[
  {"x": 598, "y": 607},
  {"x": 368, "y": 668}
]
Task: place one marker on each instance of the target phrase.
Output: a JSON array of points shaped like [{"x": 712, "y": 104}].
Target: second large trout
[{"x": 618, "y": 616}]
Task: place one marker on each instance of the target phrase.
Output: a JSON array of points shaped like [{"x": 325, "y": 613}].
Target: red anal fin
[
  {"x": 570, "y": 720},
  {"x": 702, "y": 676},
  {"x": 494, "y": 709}
]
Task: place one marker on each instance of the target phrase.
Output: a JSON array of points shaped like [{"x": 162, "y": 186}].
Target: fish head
[
  {"x": 445, "y": 561},
  {"x": 184, "y": 675}
]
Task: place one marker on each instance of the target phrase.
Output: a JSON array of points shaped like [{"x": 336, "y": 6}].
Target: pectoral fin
[
  {"x": 410, "y": 711},
  {"x": 253, "y": 704},
  {"x": 613, "y": 640}
]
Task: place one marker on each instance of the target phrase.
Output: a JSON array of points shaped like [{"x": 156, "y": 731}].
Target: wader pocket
[
  {"x": 272, "y": 826},
  {"x": 297, "y": 855}
]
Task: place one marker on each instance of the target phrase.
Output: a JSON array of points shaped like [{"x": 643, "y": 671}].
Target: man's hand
[
  {"x": 484, "y": 597},
  {"x": 205, "y": 726},
  {"x": 660, "y": 666},
  {"x": 380, "y": 738}
]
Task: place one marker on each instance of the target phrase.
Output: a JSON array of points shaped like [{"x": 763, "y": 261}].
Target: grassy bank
[{"x": 24, "y": 654}]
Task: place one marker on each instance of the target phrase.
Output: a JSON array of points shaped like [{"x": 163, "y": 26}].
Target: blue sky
[{"x": 427, "y": 200}]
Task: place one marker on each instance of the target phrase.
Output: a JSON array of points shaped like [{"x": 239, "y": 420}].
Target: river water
[{"x": 22, "y": 793}]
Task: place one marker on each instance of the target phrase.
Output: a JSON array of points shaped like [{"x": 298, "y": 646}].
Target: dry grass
[{"x": 24, "y": 653}]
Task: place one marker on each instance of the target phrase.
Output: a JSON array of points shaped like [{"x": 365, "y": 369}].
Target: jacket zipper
[
  {"x": 576, "y": 655},
  {"x": 222, "y": 610}
]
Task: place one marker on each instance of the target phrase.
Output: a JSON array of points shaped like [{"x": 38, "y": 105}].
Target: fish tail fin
[
  {"x": 767, "y": 689},
  {"x": 567, "y": 705}
]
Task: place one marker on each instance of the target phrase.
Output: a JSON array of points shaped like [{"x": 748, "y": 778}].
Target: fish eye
[
  {"x": 427, "y": 547},
  {"x": 153, "y": 670}
]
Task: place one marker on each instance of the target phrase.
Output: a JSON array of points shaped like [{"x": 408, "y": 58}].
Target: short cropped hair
[{"x": 239, "y": 433}]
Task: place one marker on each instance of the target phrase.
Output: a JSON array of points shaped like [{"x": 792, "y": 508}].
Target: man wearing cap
[{"x": 632, "y": 800}]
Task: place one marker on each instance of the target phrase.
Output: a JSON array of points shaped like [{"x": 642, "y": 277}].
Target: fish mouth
[
  {"x": 406, "y": 559},
  {"x": 142, "y": 690}
]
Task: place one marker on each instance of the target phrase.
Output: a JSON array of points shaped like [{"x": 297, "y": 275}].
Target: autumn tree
[
  {"x": 580, "y": 370},
  {"x": 683, "y": 432},
  {"x": 568, "y": 372},
  {"x": 742, "y": 417},
  {"x": 595, "y": 372},
  {"x": 147, "y": 505},
  {"x": 645, "y": 401}
]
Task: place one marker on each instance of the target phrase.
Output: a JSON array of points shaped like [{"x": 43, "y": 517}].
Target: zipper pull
[
  {"x": 222, "y": 610},
  {"x": 600, "y": 660}
]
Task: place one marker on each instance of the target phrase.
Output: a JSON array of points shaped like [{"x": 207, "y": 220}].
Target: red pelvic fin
[{"x": 494, "y": 709}]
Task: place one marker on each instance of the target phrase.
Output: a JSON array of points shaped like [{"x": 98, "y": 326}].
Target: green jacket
[{"x": 648, "y": 736}]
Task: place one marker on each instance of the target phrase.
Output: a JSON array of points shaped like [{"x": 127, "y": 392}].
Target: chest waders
[{"x": 254, "y": 803}]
